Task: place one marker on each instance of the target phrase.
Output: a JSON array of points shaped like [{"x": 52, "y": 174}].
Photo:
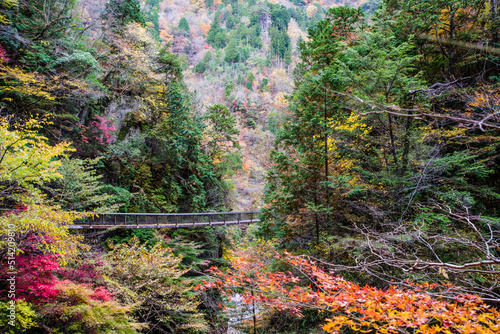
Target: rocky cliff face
[
  {"x": 265, "y": 22},
  {"x": 126, "y": 113}
]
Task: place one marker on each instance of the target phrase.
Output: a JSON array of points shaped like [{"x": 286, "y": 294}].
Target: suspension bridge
[{"x": 165, "y": 220}]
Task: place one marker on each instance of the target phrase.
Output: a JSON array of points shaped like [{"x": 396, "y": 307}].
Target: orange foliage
[
  {"x": 205, "y": 27},
  {"x": 246, "y": 166},
  {"x": 362, "y": 309},
  {"x": 166, "y": 37}
]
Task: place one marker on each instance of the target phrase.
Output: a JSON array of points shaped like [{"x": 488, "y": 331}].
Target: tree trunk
[
  {"x": 494, "y": 19},
  {"x": 393, "y": 145}
]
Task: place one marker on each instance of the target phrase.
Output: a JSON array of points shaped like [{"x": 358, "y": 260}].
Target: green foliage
[
  {"x": 31, "y": 24},
  {"x": 263, "y": 85},
  {"x": 250, "y": 78},
  {"x": 79, "y": 61},
  {"x": 124, "y": 12},
  {"x": 77, "y": 310},
  {"x": 200, "y": 68},
  {"x": 151, "y": 277},
  {"x": 340, "y": 22},
  {"x": 184, "y": 25},
  {"x": 228, "y": 90},
  {"x": 143, "y": 235},
  {"x": 216, "y": 36},
  {"x": 220, "y": 137},
  {"x": 175, "y": 142},
  {"x": 203, "y": 65},
  {"x": 81, "y": 188},
  {"x": 353, "y": 156},
  {"x": 20, "y": 320},
  {"x": 153, "y": 16},
  {"x": 190, "y": 252},
  {"x": 280, "y": 16},
  {"x": 231, "y": 22},
  {"x": 459, "y": 21},
  {"x": 231, "y": 51},
  {"x": 369, "y": 6},
  {"x": 280, "y": 42}
]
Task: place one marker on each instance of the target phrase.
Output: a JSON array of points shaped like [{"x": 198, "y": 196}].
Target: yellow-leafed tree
[{"x": 26, "y": 161}]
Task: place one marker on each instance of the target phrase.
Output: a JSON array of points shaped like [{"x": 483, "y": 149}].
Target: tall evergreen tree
[
  {"x": 184, "y": 25},
  {"x": 232, "y": 54},
  {"x": 300, "y": 178},
  {"x": 125, "y": 11},
  {"x": 216, "y": 36}
]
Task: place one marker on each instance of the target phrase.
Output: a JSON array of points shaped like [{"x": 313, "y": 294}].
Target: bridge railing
[{"x": 166, "y": 220}]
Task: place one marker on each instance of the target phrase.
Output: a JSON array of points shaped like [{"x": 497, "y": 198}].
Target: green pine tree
[
  {"x": 184, "y": 25},
  {"x": 125, "y": 11},
  {"x": 232, "y": 54}
]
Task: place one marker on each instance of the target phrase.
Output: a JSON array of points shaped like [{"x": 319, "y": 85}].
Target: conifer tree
[
  {"x": 125, "y": 11},
  {"x": 216, "y": 36},
  {"x": 232, "y": 52},
  {"x": 184, "y": 25}
]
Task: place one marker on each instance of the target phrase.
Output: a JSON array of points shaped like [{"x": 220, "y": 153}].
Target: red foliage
[
  {"x": 17, "y": 209},
  {"x": 239, "y": 106},
  {"x": 349, "y": 305},
  {"x": 34, "y": 275},
  {"x": 98, "y": 130},
  {"x": 95, "y": 136},
  {"x": 101, "y": 293},
  {"x": 87, "y": 273},
  {"x": 3, "y": 55}
]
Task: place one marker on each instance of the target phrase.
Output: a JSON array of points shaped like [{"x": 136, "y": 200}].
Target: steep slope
[{"x": 241, "y": 54}]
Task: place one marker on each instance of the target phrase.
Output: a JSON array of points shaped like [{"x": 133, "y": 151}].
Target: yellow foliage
[
  {"x": 47, "y": 221},
  {"x": 311, "y": 10},
  {"x": 16, "y": 80},
  {"x": 100, "y": 316},
  {"x": 198, "y": 4},
  {"x": 26, "y": 159},
  {"x": 6, "y": 5},
  {"x": 353, "y": 124},
  {"x": 165, "y": 36},
  {"x": 150, "y": 277},
  {"x": 23, "y": 83}
]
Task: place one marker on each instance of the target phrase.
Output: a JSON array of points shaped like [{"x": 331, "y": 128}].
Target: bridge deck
[{"x": 165, "y": 220}]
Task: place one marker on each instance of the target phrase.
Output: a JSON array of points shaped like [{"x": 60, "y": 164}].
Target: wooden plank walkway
[{"x": 165, "y": 220}]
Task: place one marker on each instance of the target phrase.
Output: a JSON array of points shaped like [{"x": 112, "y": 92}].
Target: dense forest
[{"x": 366, "y": 132}]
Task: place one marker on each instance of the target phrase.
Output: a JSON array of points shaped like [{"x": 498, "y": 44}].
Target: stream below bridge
[{"x": 238, "y": 312}]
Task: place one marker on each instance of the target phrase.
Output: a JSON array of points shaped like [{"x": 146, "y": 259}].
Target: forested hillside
[
  {"x": 386, "y": 172},
  {"x": 241, "y": 54},
  {"x": 366, "y": 132}
]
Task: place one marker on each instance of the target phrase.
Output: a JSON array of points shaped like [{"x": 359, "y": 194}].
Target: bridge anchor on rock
[{"x": 165, "y": 220}]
